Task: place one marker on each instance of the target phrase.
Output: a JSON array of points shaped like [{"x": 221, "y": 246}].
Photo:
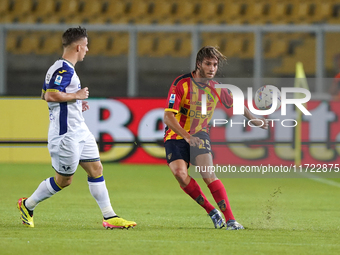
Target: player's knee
[
  {"x": 209, "y": 180},
  {"x": 95, "y": 170},
  {"x": 100, "y": 168},
  {"x": 180, "y": 174}
]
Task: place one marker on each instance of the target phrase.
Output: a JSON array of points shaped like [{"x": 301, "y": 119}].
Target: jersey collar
[{"x": 67, "y": 61}]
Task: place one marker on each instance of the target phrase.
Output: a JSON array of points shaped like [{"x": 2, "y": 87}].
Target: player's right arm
[
  {"x": 175, "y": 95},
  {"x": 59, "y": 96},
  {"x": 172, "y": 123}
]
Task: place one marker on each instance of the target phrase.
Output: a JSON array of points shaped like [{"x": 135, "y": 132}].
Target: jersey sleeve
[
  {"x": 44, "y": 88},
  {"x": 60, "y": 79},
  {"x": 227, "y": 98},
  {"x": 174, "y": 97}
]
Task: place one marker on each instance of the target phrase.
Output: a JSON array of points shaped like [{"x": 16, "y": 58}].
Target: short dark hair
[
  {"x": 73, "y": 34},
  {"x": 210, "y": 52}
]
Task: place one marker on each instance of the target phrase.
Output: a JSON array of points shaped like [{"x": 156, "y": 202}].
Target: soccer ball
[{"x": 264, "y": 97}]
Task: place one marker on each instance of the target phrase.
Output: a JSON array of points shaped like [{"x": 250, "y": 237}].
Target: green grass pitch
[{"x": 281, "y": 216}]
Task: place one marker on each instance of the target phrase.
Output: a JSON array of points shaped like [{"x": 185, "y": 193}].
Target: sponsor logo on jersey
[
  {"x": 58, "y": 80},
  {"x": 63, "y": 71}
]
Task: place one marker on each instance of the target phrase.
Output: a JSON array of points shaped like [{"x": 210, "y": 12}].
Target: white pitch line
[
  {"x": 322, "y": 180},
  {"x": 329, "y": 182}
]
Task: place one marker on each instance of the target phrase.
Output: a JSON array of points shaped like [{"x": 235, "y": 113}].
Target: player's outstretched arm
[
  {"x": 261, "y": 122},
  {"x": 59, "y": 96},
  {"x": 172, "y": 123}
]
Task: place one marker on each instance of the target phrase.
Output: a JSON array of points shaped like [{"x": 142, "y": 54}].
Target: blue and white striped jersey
[{"x": 65, "y": 117}]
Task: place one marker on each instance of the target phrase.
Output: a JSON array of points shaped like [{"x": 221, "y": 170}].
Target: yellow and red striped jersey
[{"x": 184, "y": 99}]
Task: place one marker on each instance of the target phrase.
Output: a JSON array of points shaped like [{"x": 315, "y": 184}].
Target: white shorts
[{"x": 66, "y": 152}]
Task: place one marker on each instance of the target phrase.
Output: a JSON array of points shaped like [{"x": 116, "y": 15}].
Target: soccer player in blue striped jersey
[{"x": 70, "y": 142}]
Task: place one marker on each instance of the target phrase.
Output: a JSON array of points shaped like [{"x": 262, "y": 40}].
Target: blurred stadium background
[{"x": 138, "y": 47}]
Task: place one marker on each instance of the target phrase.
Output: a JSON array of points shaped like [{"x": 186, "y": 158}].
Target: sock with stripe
[
  {"x": 99, "y": 191},
  {"x": 195, "y": 192},
  {"x": 220, "y": 195},
  {"x": 46, "y": 189}
]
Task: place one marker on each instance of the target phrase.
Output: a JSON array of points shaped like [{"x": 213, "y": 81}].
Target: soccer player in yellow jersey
[{"x": 187, "y": 138}]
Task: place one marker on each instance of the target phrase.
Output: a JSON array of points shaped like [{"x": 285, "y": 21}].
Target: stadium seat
[
  {"x": 12, "y": 40},
  {"x": 257, "y": 12},
  {"x": 207, "y": 12},
  {"x": 4, "y": 7},
  {"x": 165, "y": 45},
  {"x": 88, "y": 10},
  {"x": 300, "y": 12},
  {"x": 211, "y": 39},
  {"x": 51, "y": 44},
  {"x": 183, "y": 12},
  {"x": 277, "y": 12},
  {"x": 98, "y": 42},
  {"x": 232, "y": 12},
  {"x": 21, "y": 7},
  {"x": 118, "y": 44},
  {"x": 29, "y": 43},
  {"x": 323, "y": 11},
  {"x": 304, "y": 53},
  {"x": 276, "y": 45},
  {"x": 66, "y": 9},
  {"x": 182, "y": 45},
  {"x": 26, "y": 19},
  {"x": 43, "y": 9},
  {"x": 12, "y": 11},
  {"x": 146, "y": 44},
  {"x": 52, "y": 19},
  {"x": 162, "y": 12},
  {"x": 335, "y": 17},
  {"x": 249, "y": 46},
  {"x": 6, "y": 18},
  {"x": 230, "y": 44},
  {"x": 234, "y": 45},
  {"x": 138, "y": 11},
  {"x": 113, "y": 12},
  {"x": 332, "y": 42}
]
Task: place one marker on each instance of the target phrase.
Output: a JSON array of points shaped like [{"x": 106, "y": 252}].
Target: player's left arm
[
  {"x": 85, "y": 106},
  {"x": 260, "y": 122},
  {"x": 227, "y": 101}
]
